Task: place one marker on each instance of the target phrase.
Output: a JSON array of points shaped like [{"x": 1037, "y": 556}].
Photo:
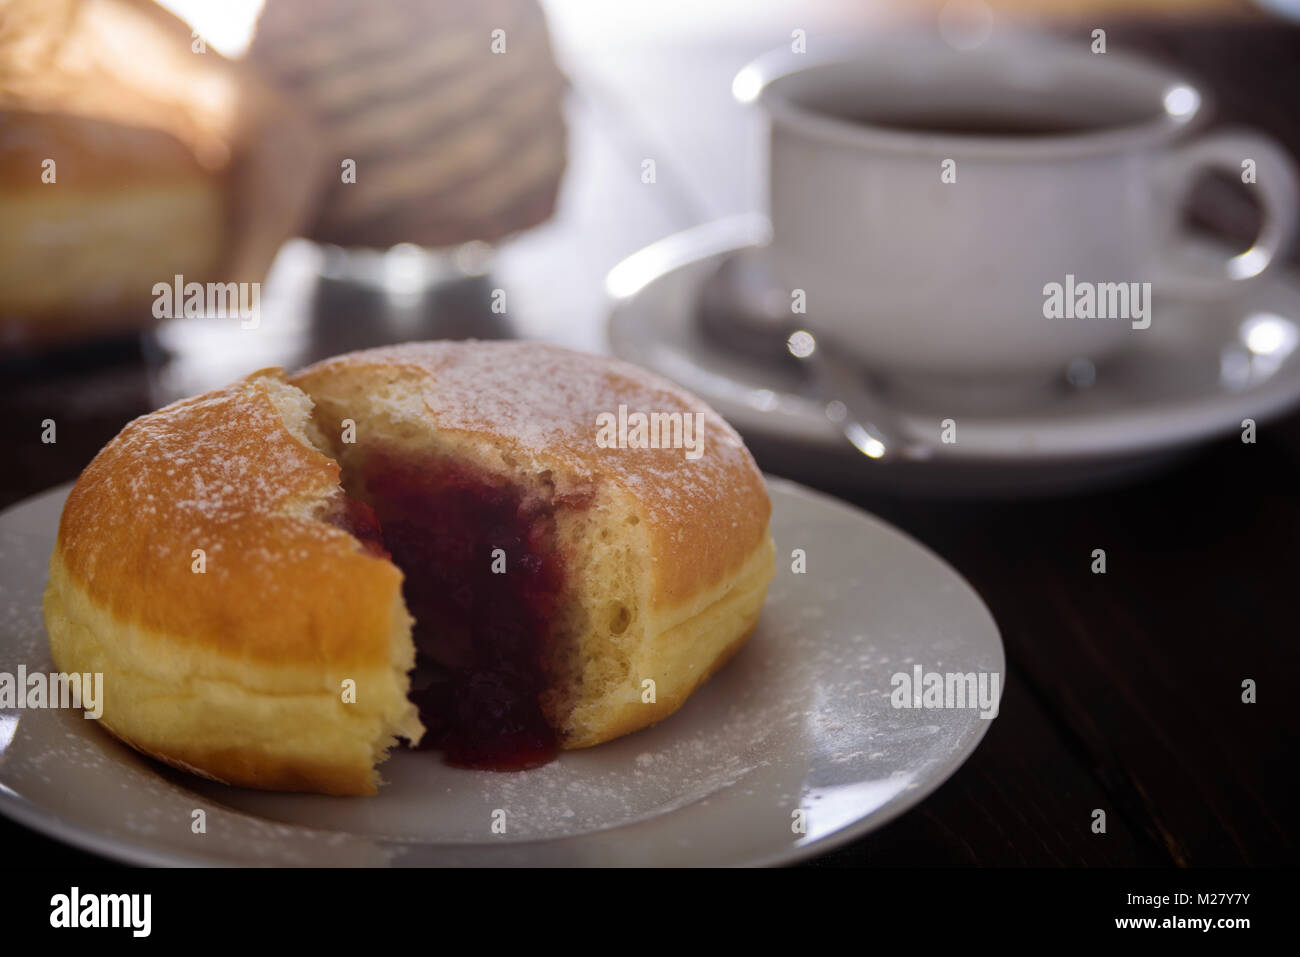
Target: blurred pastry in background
[
  {"x": 131, "y": 153},
  {"x": 442, "y": 118}
]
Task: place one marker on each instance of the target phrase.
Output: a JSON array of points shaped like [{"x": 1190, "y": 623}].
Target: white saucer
[
  {"x": 800, "y": 720},
  {"x": 1193, "y": 376}
]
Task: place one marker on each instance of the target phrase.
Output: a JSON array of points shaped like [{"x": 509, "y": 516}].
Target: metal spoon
[
  {"x": 871, "y": 426},
  {"x": 740, "y": 307}
]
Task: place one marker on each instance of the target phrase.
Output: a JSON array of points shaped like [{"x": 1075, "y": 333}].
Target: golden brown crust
[
  {"x": 90, "y": 154},
  {"x": 234, "y": 671},
  {"x": 705, "y": 517},
  {"x": 222, "y": 473},
  {"x": 256, "y": 769},
  {"x": 280, "y": 661},
  {"x": 167, "y": 160},
  {"x": 681, "y": 657},
  {"x": 128, "y": 62}
]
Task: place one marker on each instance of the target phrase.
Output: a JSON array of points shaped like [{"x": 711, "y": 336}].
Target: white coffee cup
[{"x": 929, "y": 252}]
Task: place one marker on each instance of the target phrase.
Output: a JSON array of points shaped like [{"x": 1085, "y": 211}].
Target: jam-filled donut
[{"x": 498, "y": 550}]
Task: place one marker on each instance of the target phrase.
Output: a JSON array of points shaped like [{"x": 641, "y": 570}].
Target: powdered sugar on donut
[{"x": 547, "y": 400}]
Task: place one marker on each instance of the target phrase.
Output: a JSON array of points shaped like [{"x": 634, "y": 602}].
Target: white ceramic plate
[
  {"x": 1195, "y": 375},
  {"x": 800, "y": 719}
]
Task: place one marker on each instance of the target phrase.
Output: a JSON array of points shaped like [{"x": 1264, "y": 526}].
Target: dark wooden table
[{"x": 1123, "y": 690}]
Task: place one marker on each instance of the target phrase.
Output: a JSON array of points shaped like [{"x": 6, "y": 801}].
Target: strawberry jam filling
[
  {"x": 358, "y": 520},
  {"x": 482, "y": 580}
]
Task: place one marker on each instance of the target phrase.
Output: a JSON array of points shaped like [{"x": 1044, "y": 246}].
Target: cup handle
[{"x": 1278, "y": 185}]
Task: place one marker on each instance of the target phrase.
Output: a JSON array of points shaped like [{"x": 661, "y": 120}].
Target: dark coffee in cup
[
  {"x": 971, "y": 123},
  {"x": 931, "y": 207}
]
